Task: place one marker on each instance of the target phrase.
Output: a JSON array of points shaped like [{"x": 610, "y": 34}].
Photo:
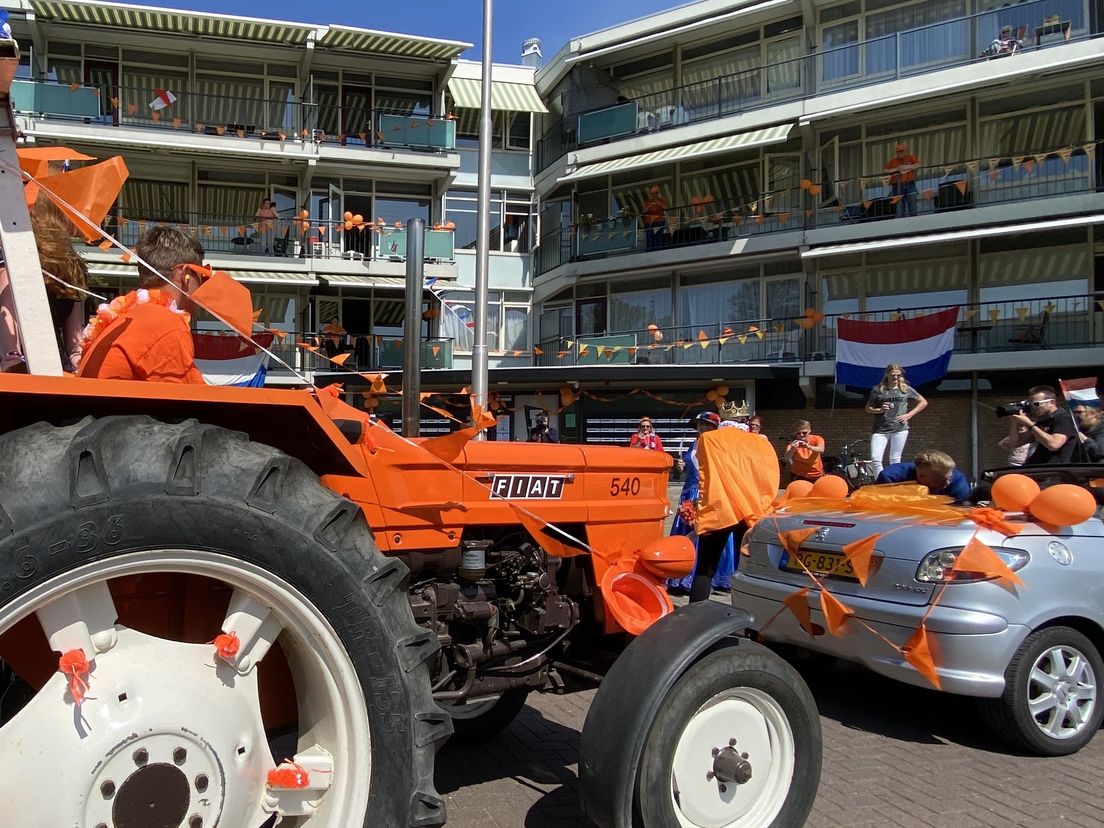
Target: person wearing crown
[{"x": 734, "y": 416}]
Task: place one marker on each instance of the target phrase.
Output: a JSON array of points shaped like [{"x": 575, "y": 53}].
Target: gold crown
[{"x": 731, "y": 411}]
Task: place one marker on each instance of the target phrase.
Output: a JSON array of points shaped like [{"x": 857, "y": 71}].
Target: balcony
[
  {"x": 284, "y": 238},
  {"x": 230, "y": 113},
  {"x": 957, "y": 187},
  {"x": 1051, "y": 323},
  {"x": 844, "y": 62}
]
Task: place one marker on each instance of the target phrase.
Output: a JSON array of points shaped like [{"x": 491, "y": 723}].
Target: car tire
[
  {"x": 121, "y": 497},
  {"x": 483, "y": 719},
  {"x": 1058, "y": 723},
  {"x": 772, "y": 714}
]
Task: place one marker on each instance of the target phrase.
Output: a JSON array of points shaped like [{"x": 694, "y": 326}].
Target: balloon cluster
[
  {"x": 568, "y": 395},
  {"x": 1061, "y": 505},
  {"x": 354, "y": 221},
  {"x": 718, "y": 395},
  {"x": 828, "y": 487}
]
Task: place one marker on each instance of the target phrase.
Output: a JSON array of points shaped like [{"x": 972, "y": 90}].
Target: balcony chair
[{"x": 1031, "y": 334}]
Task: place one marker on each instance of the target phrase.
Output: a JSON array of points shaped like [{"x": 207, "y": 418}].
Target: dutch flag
[
  {"x": 1080, "y": 391},
  {"x": 922, "y": 345},
  {"x": 230, "y": 360}
]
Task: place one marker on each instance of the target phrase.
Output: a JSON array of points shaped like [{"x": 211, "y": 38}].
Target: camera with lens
[
  {"x": 540, "y": 426},
  {"x": 1008, "y": 409}
]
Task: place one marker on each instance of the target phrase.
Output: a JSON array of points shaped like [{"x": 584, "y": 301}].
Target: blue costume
[
  {"x": 958, "y": 488},
  {"x": 689, "y": 492}
]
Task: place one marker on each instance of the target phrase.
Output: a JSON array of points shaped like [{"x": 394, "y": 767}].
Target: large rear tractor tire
[
  {"x": 108, "y": 523},
  {"x": 736, "y": 744}
]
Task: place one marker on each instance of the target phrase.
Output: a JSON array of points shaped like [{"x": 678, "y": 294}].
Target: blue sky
[{"x": 553, "y": 21}]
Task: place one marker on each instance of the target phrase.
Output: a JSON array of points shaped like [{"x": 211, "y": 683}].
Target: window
[
  {"x": 400, "y": 209},
  {"x": 632, "y": 309},
  {"x": 511, "y": 220},
  {"x": 518, "y": 130},
  {"x": 507, "y": 320},
  {"x": 722, "y": 300}
]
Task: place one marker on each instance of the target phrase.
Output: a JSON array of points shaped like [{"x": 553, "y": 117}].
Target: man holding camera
[
  {"x": 1039, "y": 421},
  {"x": 541, "y": 433}
]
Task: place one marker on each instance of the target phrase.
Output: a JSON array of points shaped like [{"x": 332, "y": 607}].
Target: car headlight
[{"x": 937, "y": 567}]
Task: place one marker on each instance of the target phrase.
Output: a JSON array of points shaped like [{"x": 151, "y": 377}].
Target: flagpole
[{"x": 482, "y": 236}]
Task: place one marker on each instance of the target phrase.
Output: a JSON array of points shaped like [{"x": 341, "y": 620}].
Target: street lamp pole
[{"x": 482, "y": 237}]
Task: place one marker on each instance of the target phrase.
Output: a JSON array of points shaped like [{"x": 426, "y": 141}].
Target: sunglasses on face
[
  {"x": 1039, "y": 403},
  {"x": 802, "y": 433}
]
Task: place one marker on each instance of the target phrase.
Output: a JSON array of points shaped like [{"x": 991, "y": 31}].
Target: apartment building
[
  {"x": 295, "y": 153},
  {"x": 718, "y": 186}
]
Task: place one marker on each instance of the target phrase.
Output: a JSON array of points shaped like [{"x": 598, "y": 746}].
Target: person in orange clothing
[
  {"x": 146, "y": 334},
  {"x": 803, "y": 453},
  {"x": 902, "y": 178},
  {"x": 654, "y": 218}
]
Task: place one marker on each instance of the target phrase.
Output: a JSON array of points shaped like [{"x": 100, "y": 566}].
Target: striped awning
[
  {"x": 505, "y": 97},
  {"x": 349, "y": 38},
  {"x": 700, "y": 149},
  {"x": 348, "y": 280},
  {"x": 170, "y": 21},
  {"x": 249, "y": 277}
]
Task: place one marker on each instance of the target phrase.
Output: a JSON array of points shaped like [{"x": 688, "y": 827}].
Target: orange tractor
[{"x": 225, "y": 607}]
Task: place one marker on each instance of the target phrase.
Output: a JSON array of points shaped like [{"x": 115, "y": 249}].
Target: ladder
[{"x": 32, "y": 308}]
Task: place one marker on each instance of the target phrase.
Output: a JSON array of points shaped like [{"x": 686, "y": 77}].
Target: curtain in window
[
  {"x": 326, "y": 113},
  {"x": 728, "y": 80},
  {"x": 918, "y": 276},
  {"x": 839, "y": 57},
  {"x": 634, "y": 196},
  {"x": 637, "y": 310},
  {"x": 934, "y": 149},
  {"x": 652, "y": 90},
  {"x": 917, "y": 36},
  {"x": 1039, "y": 264},
  {"x": 137, "y": 92},
  {"x": 229, "y": 205},
  {"x": 282, "y": 113},
  {"x": 784, "y": 298},
  {"x": 517, "y": 329},
  {"x": 783, "y": 66},
  {"x": 457, "y": 320},
  {"x": 154, "y": 200},
  {"x": 236, "y": 104},
  {"x": 1033, "y": 132},
  {"x": 719, "y": 302}
]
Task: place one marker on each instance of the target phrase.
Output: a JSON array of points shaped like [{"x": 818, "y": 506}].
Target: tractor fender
[{"x": 630, "y": 696}]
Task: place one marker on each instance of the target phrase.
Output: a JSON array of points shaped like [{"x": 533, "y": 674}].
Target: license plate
[{"x": 820, "y": 563}]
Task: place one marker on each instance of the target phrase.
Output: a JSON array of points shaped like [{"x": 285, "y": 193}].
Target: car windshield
[{"x": 1080, "y": 474}]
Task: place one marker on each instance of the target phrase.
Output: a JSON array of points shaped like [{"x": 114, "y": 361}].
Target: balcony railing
[
  {"x": 367, "y": 352},
  {"x": 287, "y": 237},
  {"x": 998, "y": 33},
  {"x": 283, "y": 118},
  {"x": 956, "y": 186},
  {"x": 1057, "y": 322}
]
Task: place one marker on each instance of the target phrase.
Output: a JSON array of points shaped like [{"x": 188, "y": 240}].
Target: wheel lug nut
[
  {"x": 201, "y": 782},
  {"x": 101, "y": 825},
  {"x": 732, "y": 743},
  {"x": 715, "y": 751},
  {"x": 743, "y": 756},
  {"x": 180, "y": 755},
  {"x": 195, "y": 822},
  {"x": 107, "y": 789},
  {"x": 141, "y": 756}
]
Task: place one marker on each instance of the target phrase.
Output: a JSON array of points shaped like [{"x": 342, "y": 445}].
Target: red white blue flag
[
  {"x": 922, "y": 346},
  {"x": 1080, "y": 391},
  {"x": 230, "y": 360}
]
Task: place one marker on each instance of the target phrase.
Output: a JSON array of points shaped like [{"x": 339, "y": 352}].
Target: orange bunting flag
[
  {"x": 993, "y": 519},
  {"x": 177, "y": 123},
  {"x": 538, "y": 350},
  {"x": 977, "y": 557},
  {"x": 227, "y": 299},
  {"x": 340, "y": 358},
  {"x": 993, "y": 314},
  {"x": 90, "y": 191},
  {"x": 793, "y": 539},
  {"x": 702, "y": 337},
  {"x": 1022, "y": 312},
  {"x": 918, "y": 652},
  {"x": 436, "y": 349},
  {"x": 798, "y": 604},
  {"x": 547, "y": 536},
  {"x": 447, "y": 447},
  {"x": 481, "y": 417},
  {"x": 969, "y": 314},
  {"x": 961, "y": 186},
  {"x": 779, "y": 327},
  {"x": 835, "y": 612},
  {"x": 306, "y": 346},
  {"x": 859, "y": 554}
]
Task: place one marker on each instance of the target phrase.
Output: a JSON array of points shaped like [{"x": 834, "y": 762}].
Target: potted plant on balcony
[{"x": 586, "y": 221}]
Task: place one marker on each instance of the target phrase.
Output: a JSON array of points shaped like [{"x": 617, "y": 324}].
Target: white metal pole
[{"x": 482, "y": 237}]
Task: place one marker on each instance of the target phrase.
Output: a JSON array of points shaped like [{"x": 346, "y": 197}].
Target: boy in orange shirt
[
  {"x": 803, "y": 453},
  {"x": 145, "y": 335}
]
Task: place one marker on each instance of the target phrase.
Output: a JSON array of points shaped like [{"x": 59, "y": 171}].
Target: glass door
[
  {"x": 104, "y": 77},
  {"x": 783, "y": 174},
  {"x": 336, "y": 222},
  {"x": 590, "y": 316}
]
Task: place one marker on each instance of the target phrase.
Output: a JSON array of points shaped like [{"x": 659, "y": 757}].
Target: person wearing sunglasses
[
  {"x": 1046, "y": 426},
  {"x": 146, "y": 334},
  {"x": 803, "y": 453},
  {"x": 646, "y": 437}
]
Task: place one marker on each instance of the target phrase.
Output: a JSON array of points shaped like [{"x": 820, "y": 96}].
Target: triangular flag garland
[
  {"x": 835, "y": 612},
  {"x": 798, "y": 604},
  {"x": 917, "y": 652}
]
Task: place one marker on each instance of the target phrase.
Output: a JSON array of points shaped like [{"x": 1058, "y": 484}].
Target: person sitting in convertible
[{"x": 932, "y": 468}]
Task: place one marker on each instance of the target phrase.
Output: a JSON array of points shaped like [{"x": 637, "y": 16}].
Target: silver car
[{"x": 1032, "y": 653}]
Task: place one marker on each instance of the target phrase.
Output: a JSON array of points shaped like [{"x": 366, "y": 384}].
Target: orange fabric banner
[
  {"x": 739, "y": 478},
  {"x": 447, "y": 447},
  {"x": 977, "y": 557},
  {"x": 835, "y": 612},
  {"x": 859, "y": 554},
  {"x": 228, "y": 299},
  {"x": 90, "y": 190},
  {"x": 918, "y": 653},
  {"x": 798, "y": 604},
  {"x": 35, "y": 161}
]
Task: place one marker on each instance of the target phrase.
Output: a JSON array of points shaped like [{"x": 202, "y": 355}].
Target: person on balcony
[
  {"x": 266, "y": 224},
  {"x": 654, "y": 218},
  {"x": 902, "y": 179},
  {"x": 335, "y": 335}
]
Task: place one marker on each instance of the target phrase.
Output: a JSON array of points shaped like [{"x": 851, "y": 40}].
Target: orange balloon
[
  {"x": 722, "y": 390},
  {"x": 1062, "y": 505},
  {"x": 798, "y": 488},
  {"x": 358, "y": 219},
  {"x": 1012, "y": 492},
  {"x": 711, "y": 395},
  {"x": 348, "y": 216},
  {"x": 829, "y": 486},
  {"x": 348, "y": 225}
]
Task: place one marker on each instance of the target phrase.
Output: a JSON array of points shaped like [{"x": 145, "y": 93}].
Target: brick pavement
[{"x": 893, "y": 756}]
